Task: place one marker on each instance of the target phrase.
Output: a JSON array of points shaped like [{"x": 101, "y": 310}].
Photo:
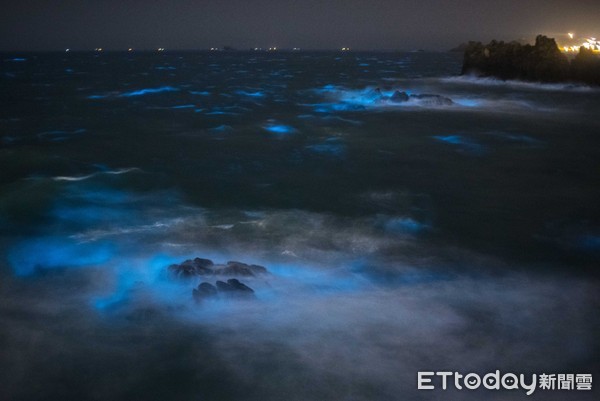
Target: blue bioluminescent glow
[
  {"x": 17, "y": 59},
  {"x": 126, "y": 280},
  {"x": 220, "y": 113},
  {"x": 344, "y": 120},
  {"x": 279, "y": 129},
  {"x": 467, "y": 102},
  {"x": 590, "y": 242},
  {"x": 200, "y": 93},
  {"x": 43, "y": 253},
  {"x": 221, "y": 128},
  {"x": 250, "y": 94},
  {"x": 347, "y": 107},
  {"x": 517, "y": 138},
  {"x": 317, "y": 280},
  {"x": 386, "y": 276},
  {"x": 149, "y": 91},
  {"x": 59, "y": 135},
  {"x": 453, "y": 139},
  {"x": 330, "y": 147},
  {"x": 102, "y": 196},
  {"x": 141, "y": 274},
  {"x": 331, "y": 107},
  {"x": 95, "y": 97},
  {"x": 342, "y": 99},
  {"x": 89, "y": 214},
  {"x": 404, "y": 225},
  {"x": 184, "y": 106},
  {"x": 462, "y": 143}
]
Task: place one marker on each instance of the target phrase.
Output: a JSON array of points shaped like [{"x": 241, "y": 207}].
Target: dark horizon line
[{"x": 220, "y": 50}]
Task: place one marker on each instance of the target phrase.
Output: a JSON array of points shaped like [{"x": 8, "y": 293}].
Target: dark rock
[
  {"x": 399, "y": 97},
  {"x": 258, "y": 269},
  {"x": 234, "y": 268},
  {"x": 238, "y": 286},
  {"x": 205, "y": 267},
  {"x": 206, "y": 263},
  {"x": 542, "y": 62},
  {"x": 205, "y": 290},
  {"x": 460, "y": 48},
  {"x": 234, "y": 287},
  {"x": 374, "y": 95},
  {"x": 224, "y": 287},
  {"x": 585, "y": 67},
  {"x": 191, "y": 268}
]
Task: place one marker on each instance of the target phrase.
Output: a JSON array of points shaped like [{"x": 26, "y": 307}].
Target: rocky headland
[{"x": 541, "y": 62}]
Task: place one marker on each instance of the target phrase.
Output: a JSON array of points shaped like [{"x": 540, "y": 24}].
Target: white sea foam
[
  {"x": 86, "y": 177},
  {"x": 484, "y": 81}
]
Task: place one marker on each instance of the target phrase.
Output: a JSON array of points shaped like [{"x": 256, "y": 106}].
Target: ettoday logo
[{"x": 507, "y": 381}]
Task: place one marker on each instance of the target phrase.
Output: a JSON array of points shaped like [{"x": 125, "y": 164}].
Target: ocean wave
[
  {"x": 485, "y": 81},
  {"x": 87, "y": 177}
]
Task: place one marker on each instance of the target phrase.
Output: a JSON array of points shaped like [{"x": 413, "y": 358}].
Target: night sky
[{"x": 309, "y": 24}]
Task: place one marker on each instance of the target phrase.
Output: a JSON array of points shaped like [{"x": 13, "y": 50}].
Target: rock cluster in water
[
  {"x": 200, "y": 267},
  {"x": 232, "y": 288},
  {"x": 403, "y": 97},
  {"x": 542, "y": 62},
  {"x": 205, "y": 267}
]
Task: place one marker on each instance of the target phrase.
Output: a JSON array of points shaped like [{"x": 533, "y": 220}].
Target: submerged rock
[
  {"x": 239, "y": 286},
  {"x": 234, "y": 268},
  {"x": 204, "y": 290},
  {"x": 190, "y": 268},
  {"x": 224, "y": 287},
  {"x": 233, "y": 287},
  {"x": 374, "y": 94},
  {"x": 399, "y": 97},
  {"x": 205, "y": 267}
]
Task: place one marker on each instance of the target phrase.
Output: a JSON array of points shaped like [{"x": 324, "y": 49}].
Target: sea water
[{"x": 398, "y": 236}]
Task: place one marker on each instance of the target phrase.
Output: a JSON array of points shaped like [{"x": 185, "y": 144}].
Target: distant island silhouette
[{"x": 541, "y": 62}]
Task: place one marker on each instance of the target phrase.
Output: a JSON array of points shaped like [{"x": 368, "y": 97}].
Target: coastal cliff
[{"x": 542, "y": 62}]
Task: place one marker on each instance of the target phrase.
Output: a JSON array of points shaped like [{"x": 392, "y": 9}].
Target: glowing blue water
[{"x": 149, "y": 91}]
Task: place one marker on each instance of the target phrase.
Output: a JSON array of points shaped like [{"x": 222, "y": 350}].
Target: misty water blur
[{"x": 398, "y": 236}]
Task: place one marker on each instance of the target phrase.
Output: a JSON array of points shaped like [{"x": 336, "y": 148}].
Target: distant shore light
[{"x": 589, "y": 44}]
